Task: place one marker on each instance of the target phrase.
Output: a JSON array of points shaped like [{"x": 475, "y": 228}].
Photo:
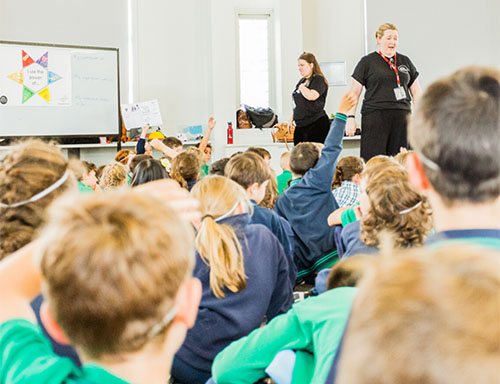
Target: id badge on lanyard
[{"x": 399, "y": 91}]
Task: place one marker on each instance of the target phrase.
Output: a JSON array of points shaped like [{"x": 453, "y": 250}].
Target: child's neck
[
  {"x": 150, "y": 365},
  {"x": 465, "y": 216}
]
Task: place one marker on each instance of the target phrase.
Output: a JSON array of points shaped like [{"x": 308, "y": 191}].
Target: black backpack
[{"x": 261, "y": 117}]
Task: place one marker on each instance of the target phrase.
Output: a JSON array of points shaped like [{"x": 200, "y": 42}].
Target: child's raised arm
[
  {"x": 20, "y": 282},
  {"x": 206, "y": 136},
  {"x": 167, "y": 151}
]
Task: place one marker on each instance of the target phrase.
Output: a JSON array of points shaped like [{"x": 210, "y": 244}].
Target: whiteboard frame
[{"x": 49, "y": 45}]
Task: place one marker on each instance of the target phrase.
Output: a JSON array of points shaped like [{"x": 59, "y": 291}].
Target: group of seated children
[{"x": 180, "y": 271}]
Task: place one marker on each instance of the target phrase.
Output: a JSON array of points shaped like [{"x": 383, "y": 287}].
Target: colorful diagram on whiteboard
[{"x": 35, "y": 77}]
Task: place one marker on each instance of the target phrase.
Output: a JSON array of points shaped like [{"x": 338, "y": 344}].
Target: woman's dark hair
[
  {"x": 148, "y": 170},
  {"x": 311, "y": 59}
]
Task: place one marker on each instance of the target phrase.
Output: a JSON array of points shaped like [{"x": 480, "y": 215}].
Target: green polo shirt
[
  {"x": 26, "y": 357},
  {"x": 283, "y": 181}
]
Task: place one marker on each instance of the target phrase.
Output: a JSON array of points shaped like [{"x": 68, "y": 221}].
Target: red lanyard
[{"x": 393, "y": 66}]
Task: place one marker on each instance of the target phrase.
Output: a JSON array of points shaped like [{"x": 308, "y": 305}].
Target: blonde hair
[
  {"x": 113, "y": 176},
  {"x": 28, "y": 169},
  {"x": 395, "y": 205},
  {"x": 285, "y": 160},
  {"x": 434, "y": 311},
  {"x": 385, "y": 27},
  {"x": 217, "y": 243},
  {"x": 111, "y": 292}
]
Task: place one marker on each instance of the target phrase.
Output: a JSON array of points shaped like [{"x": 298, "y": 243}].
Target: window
[{"x": 255, "y": 60}]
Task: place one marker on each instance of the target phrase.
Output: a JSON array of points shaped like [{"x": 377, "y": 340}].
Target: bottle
[{"x": 230, "y": 132}]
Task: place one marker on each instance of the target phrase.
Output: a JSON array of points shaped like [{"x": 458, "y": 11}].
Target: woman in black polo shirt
[
  {"x": 311, "y": 121},
  {"x": 391, "y": 83}
]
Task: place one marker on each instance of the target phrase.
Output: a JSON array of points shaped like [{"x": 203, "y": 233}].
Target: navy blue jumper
[
  {"x": 268, "y": 293},
  {"x": 308, "y": 203}
]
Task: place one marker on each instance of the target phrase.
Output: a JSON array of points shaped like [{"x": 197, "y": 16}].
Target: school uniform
[
  {"x": 312, "y": 327},
  {"x": 268, "y": 293},
  {"x": 307, "y": 204},
  {"x": 276, "y": 225},
  {"x": 27, "y": 357}
]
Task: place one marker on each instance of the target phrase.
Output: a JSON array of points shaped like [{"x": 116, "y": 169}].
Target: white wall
[
  {"x": 87, "y": 23},
  {"x": 442, "y": 36},
  {"x": 173, "y": 59}
]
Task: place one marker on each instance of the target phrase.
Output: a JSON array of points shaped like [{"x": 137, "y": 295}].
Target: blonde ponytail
[
  {"x": 217, "y": 244},
  {"x": 220, "y": 249}
]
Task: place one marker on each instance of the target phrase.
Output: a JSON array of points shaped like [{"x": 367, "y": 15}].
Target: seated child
[
  {"x": 251, "y": 172},
  {"x": 88, "y": 181},
  {"x": 346, "y": 215},
  {"x": 124, "y": 156},
  {"x": 286, "y": 175},
  {"x": 147, "y": 171},
  {"x": 186, "y": 169},
  {"x": 346, "y": 180},
  {"x": 389, "y": 203},
  {"x": 424, "y": 316},
  {"x": 313, "y": 328},
  {"x": 125, "y": 305},
  {"x": 309, "y": 200},
  {"x": 262, "y": 152},
  {"x": 28, "y": 174},
  {"x": 136, "y": 160},
  {"x": 244, "y": 274},
  {"x": 113, "y": 176}
]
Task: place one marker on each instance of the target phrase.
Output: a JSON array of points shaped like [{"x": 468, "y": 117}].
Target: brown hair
[
  {"x": 110, "y": 291},
  {"x": 172, "y": 142},
  {"x": 123, "y": 156},
  {"x": 262, "y": 152},
  {"x": 348, "y": 272},
  {"x": 303, "y": 157},
  {"x": 311, "y": 59},
  {"x": 217, "y": 243},
  {"x": 28, "y": 169},
  {"x": 137, "y": 159},
  {"x": 185, "y": 167},
  {"x": 391, "y": 194},
  {"x": 434, "y": 311},
  {"x": 247, "y": 168},
  {"x": 218, "y": 167},
  {"x": 272, "y": 192},
  {"x": 456, "y": 126},
  {"x": 113, "y": 176},
  {"x": 346, "y": 169},
  {"x": 385, "y": 27}
]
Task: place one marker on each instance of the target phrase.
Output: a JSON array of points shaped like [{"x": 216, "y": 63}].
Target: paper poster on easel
[{"x": 35, "y": 76}]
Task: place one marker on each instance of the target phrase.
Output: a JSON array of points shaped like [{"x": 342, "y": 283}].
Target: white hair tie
[{"x": 41, "y": 194}]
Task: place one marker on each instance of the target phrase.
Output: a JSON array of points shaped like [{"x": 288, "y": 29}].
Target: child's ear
[
  {"x": 51, "y": 326},
  {"x": 188, "y": 301},
  {"x": 416, "y": 172},
  {"x": 252, "y": 189},
  {"x": 356, "y": 178}
]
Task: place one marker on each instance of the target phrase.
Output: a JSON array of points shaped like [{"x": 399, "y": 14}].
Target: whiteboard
[{"x": 58, "y": 90}]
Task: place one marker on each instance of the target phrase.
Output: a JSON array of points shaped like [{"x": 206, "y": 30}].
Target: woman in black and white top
[
  {"x": 391, "y": 83},
  {"x": 309, "y": 96}
]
